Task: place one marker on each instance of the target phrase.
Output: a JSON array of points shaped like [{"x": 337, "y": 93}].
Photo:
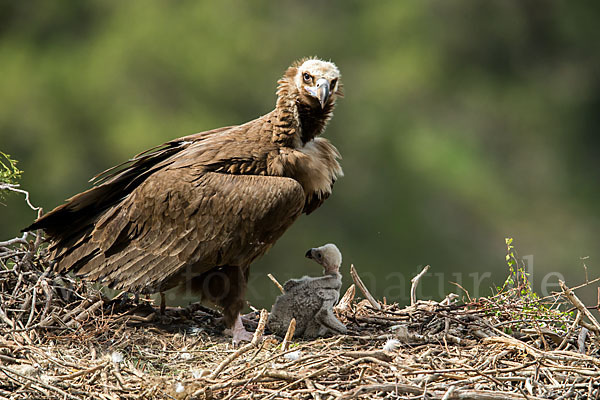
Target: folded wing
[{"x": 184, "y": 217}]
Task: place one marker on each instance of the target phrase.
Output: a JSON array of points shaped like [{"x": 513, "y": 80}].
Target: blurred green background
[{"x": 464, "y": 122}]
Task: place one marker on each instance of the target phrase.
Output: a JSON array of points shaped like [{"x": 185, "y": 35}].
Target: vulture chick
[
  {"x": 311, "y": 300},
  {"x": 198, "y": 210}
]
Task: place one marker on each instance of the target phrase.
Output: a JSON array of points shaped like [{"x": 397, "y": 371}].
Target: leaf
[{"x": 9, "y": 173}]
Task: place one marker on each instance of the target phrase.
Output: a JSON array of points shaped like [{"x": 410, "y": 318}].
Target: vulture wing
[
  {"x": 181, "y": 207},
  {"x": 184, "y": 217}
]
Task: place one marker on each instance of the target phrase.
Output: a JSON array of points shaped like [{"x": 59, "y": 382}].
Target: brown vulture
[{"x": 198, "y": 210}]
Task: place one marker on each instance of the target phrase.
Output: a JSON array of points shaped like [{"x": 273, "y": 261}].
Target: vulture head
[
  {"x": 311, "y": 87},
  {"x": 318, "y": 82},
  {"x": 328, "y": 256}
]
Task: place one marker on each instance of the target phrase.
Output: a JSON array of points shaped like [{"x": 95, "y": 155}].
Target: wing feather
[{"x": 188, "y": 218}]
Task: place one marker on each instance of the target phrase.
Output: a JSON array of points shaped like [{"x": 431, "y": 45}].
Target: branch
[
  {"x": 22, "y": 240},
  {"x": 271, "y": 277},
  {"x": 346, "y": 301},
  {"x": 13, "y": 188},
  {"x": 415, "y": 282},
  {"x": 289, "y": 335},
  {"x": 580, "y": 306},
  {"x": 363, "y": 288},
  {"x": 254, "y": 343}
]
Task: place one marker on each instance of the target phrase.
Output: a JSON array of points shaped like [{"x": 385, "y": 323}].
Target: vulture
[
  {"x": 198, "y": 210},
  {"x": 310, "y": 300}
]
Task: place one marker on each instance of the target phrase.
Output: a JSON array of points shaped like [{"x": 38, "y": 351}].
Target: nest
[{"x": 62, "y": 338}]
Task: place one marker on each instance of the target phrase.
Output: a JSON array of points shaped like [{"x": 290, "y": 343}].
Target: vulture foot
[{"x": 240, "y": 334}]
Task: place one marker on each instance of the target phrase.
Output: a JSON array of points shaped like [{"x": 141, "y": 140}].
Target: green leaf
[{"x": 9, "y": 173}]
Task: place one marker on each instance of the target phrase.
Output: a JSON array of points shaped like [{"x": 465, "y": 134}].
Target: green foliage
[
  {"x": 517, "y": 276},
  {"x": 518, "y": 304},
  {"x": 9, "y": 173}
]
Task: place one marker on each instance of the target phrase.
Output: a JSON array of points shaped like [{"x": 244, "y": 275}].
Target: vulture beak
[
  {"x": 309, "y": 254},
  {"x": 320, "y": 91}
]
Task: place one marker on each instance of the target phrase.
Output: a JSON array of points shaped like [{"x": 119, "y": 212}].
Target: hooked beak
[
  {"x": 309, "y": 254},
  {"x": 320, "y": 91}
]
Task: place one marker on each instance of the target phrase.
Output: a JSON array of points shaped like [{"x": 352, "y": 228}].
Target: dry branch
[
  {"x": 276, "y": 282},
  {"x": 289, "y": 335},
  {"x": 363, "y": 288},
  {"x": 414, "y": 283},
  {"x": 253, "y": 344},
  {"x": 346, "y": 300},
  {"x": 580, "y": 306}
]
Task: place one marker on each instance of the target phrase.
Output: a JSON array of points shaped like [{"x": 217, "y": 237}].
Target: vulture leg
[
  {"x": 163, "y": 305},
  {"x": 239, "y": 332},
  {"x": 328, "y": 320},
  {"x": 225, "y": 286}
]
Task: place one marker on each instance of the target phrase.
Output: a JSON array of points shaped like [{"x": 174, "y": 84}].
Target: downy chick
[{"x": 311, "y": 299}]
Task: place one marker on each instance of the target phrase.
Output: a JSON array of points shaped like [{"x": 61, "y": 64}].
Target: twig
[
  {"x": 280, "y": 374},
  {"x": 4, "y": 317},
  {"x": 363, "y": 288},
  {"x": 415, "y": 282},
  {"x": 416, "y": 390},
  {"x": 580, "y": 306},
  {"x": 378, "y": 354},
  {"x": 554, "y": 294},
  {"x": 64, "y": 394},
  {"x": 310, "y": 385},
  {"x": 275, "y": 282},
  {"x": 81, "y": 373},
  {"x": 346, "y": 301},
  {"x": 88, "y": 313},
  {"x": 254, "y": 378},
  {"x": 14, "y": 188},
  {"x": 312, "y": 374},
  {"x": 449, "y": 392},
  {"x": 289, "y": 335},
  {"x": 22, "y": 239},
  {"x": 49, "y": 297},
  {"x": 33, "y": 302},
  {"x": 449, "y": 299},
  {"x": 571, "y": 328},
  {"x": 254, "y": 343}
]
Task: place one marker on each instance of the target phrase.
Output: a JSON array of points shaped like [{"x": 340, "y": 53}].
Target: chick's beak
[
  {"x": 320, "y": 91},
  {"x": 309, "y": 254}
]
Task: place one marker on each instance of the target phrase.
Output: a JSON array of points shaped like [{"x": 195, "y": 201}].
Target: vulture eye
[
  {"x": 332, "y": 86},
  {"x": 307, "y": 78},
  {"x": 319, "y": 256}
]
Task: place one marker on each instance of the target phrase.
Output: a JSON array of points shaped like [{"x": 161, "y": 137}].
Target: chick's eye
[{"x": 307, "y": 78}]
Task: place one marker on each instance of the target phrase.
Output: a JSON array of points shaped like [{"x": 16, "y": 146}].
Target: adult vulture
[{"x": 199, "y": 209}]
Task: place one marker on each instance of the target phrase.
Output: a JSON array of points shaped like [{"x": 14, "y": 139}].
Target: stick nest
[{"x": 62, "y": 338}]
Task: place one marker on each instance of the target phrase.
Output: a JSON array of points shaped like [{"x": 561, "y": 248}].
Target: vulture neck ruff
[
  {"x": 297, "y": 117},
  {"x": 313, "y": 121}
]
